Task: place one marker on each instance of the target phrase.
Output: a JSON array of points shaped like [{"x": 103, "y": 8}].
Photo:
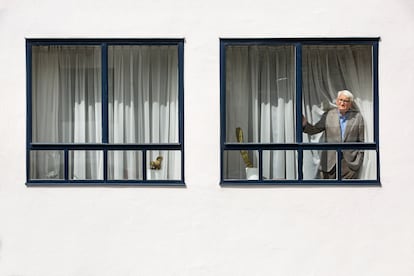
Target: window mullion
[
  {"x": 104, "y": 73},
  {"x": 298, "y": 80},
  {"x": 105, "y": 139},
  {"x": 66, "y": 164}
]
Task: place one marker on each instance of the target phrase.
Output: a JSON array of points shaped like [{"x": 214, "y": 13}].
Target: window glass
[
  {"x": 85, "y": 165},
  {"x": 47, "y": 164},
  {"x": 280, "y": 165},
  {"x": 241, "y": 164},
  {"x": 163, "y": 165},
  {"x": 125, "y": 165},
  {"x": 66, "y": 94},
  {"x": 143, "y": 94},
  {"x": 260, "y": 93},
  {"x": 328, "y": 69}
]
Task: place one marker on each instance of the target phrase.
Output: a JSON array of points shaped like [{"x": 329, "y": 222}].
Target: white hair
[{"x": 347, "y": 94}]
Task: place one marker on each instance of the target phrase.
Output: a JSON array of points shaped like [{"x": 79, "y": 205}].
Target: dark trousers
[{"x": 346, "y": 172}]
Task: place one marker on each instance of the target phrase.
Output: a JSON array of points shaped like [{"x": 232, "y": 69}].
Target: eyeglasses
[{"x": 343, "y": 101}]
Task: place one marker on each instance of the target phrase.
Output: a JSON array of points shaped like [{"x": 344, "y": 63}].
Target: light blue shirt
[{"x": 342, "y": 123}]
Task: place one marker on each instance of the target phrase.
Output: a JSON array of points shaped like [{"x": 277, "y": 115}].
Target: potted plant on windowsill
[{"x": 252, "y": 173}]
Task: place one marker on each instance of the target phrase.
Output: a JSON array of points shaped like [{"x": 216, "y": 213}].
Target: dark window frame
[
  {"x": 299, "y": 146},
  {"x": 104, "y": 145}
]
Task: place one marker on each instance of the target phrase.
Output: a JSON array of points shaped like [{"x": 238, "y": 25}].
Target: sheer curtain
[
  {"x": 143, "y": 107},
  {"x": 260, "y": 98},
  {"x": 67, "y": 108}
]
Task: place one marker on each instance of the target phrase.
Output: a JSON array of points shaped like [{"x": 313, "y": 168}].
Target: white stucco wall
[{"x": 204, "y": 229}]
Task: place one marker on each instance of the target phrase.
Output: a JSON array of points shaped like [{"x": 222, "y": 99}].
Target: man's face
[{"x": 343, "y": 103}]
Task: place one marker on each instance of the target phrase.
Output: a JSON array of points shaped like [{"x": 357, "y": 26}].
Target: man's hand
[{"x": 304, "y": 121}]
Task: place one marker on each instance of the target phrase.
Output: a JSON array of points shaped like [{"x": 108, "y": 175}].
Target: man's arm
[{"x": 313, "y": 129}]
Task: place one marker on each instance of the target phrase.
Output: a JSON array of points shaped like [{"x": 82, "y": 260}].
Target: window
[
  {"x": 280, "y": 110},
  {"x": 105, "y": 112}
]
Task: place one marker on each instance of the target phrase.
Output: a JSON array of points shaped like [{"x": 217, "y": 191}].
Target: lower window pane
[
  {"x": 124, "y": 165},
  {"x": 164, "y": 165},
  {"x": 280, "y": 165},
  {"x": 85, "y": 165},
  {"x": 319, "y": 164},
  {"x": 240, "y": 165},
  {"x": 46, "y": 164},
  {"x": 368, "y": 168}
]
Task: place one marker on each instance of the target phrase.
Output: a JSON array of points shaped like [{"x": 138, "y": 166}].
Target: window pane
[
  {"x": 280, "y": 165},
  {"x": 368, "y": 169},
  {"x": 260, "y": 93},
  {"x": 240, "y": 165},
  {"x": 319, "y": 164},
  {"x": 355, "y": 164},
  {"x": 66, "y": 94},
  {"x": 164, "y": 165},
  {"x": 47, "y": 164},
  {"x": 124, "y": 165},
  {"x": 331, "y": 68},
  {"x": 85, "y": 164},
  {"x": 143, "y": 94}
]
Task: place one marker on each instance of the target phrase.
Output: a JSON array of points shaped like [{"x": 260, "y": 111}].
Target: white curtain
[
  {"x": 143, "y": 108},
  {"x": 67, "y": 108},
  {"x": 260, "y": 96},
  {"x": 260, "y": 99}
]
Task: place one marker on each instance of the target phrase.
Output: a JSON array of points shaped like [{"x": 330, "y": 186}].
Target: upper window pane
[
  {"x": 143, "y": 94},
  {"x": 328, "y": 69},
  {"x": 260, "y": 93},
  {"x": 66, "y": 94}
]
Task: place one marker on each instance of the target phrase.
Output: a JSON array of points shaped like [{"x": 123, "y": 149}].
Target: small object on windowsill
[
  {"x": 52, "y": 174},
  {"x": 244, "y": 153},
  {"x": 252, "y": 173},
  {"x": 156, "y": 164}
]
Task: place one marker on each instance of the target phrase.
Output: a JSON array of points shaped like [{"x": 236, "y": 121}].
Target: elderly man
[{"x": 341, "y": 124}]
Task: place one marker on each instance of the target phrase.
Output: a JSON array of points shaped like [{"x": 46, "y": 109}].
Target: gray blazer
[{"x": 354, "y": 132}]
